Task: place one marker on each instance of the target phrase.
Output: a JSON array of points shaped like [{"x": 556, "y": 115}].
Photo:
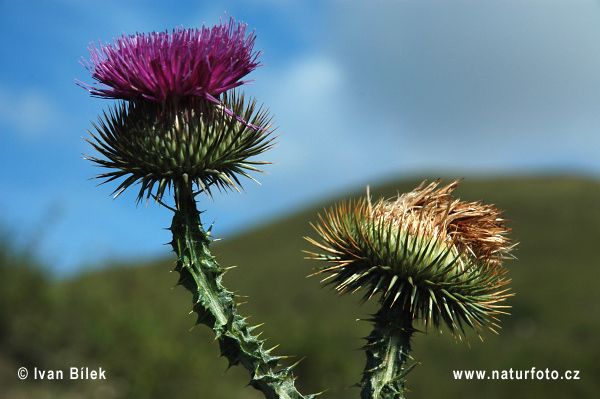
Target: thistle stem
[
  {"x": 216, "y": 306},
  {"x": 387, "y": 350}
]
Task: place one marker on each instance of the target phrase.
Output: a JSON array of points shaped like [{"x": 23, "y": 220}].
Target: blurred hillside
[{"x": 130, "y": 322}]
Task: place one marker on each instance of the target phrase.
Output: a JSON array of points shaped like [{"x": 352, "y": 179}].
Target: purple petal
[{"x": 162, "y": 67}]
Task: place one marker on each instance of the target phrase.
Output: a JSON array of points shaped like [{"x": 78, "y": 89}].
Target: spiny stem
[
  {"x": 387, "y": 350},
  {"x": 216, "y": 307}
]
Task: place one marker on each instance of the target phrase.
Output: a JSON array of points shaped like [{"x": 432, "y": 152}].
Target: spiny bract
[
  {"x": 145, "y": 143},
  {"x": 434, "y": 256}
]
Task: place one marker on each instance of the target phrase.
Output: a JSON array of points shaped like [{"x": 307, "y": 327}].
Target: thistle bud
[{"x": 424, "y": 252}]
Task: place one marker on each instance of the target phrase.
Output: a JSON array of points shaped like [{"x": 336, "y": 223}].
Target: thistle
[
  {"x": 184, "y": 65},
  {"x": 179, "y": 126},
  {"x": 428, "y": 257}
]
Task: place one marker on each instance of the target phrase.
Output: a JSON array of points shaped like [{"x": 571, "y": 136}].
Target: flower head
[
  {"x": 434, "y": 256},
  {"x": 143, "y": 143},
  {"x": 164, "y": 67}
]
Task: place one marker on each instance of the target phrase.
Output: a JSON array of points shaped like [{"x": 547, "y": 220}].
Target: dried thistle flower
[
  {"x": 144, "y": 143},
  {"x": 425, "y": 252},
  {"x": 186, "y": 65}
]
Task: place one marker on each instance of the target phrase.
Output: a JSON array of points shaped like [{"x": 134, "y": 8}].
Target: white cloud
[
  {"x": 314, "y": 77},
  {"x": 304, "y": 95},
  {"x": 30, "y": 112}
]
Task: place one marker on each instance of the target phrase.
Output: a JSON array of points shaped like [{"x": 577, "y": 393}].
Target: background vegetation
[{"x": 128, "y": 321}]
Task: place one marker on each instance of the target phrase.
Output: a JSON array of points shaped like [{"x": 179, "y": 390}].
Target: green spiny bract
[
  {"x": 438, "y": 258},
  {"x": 197, "y": 142}
]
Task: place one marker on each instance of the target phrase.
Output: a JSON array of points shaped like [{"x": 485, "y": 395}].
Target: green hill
[{"x": 128, "y": 321}]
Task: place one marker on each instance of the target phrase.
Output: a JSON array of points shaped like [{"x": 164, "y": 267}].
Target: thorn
[
  {"x": 295, "y": 364},
  {"x": 252, "y": 328}
]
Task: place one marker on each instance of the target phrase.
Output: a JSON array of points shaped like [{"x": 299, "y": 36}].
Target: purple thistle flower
[{"x": 162, "y": 67}]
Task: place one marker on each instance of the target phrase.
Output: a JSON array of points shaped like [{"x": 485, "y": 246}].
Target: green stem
[
  {"x": 387, "y": 350},
  {"x": 216, "y": 306}
]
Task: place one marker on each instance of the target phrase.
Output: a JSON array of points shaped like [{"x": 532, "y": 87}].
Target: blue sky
[{"x": 361, "y": 91}]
